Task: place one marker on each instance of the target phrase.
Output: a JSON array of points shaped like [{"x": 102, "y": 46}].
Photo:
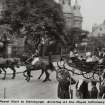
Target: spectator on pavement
[{"x": 64, "y": 83}]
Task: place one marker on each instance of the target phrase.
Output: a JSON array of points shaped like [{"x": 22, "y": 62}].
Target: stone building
[
  {"x": 98, "y": 30},
  {"x": 72, "y": 14}
]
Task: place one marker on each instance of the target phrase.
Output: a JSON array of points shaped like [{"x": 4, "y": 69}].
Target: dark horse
[
  {"x": 38, "y": 65},
  {"x": 8, "y": 63}
]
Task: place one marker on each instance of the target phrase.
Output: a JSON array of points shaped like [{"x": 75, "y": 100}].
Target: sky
[{"x": 93, "y": 12}]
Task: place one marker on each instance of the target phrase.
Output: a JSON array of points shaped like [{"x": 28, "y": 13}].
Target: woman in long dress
[{"x": 64, "y": 84}]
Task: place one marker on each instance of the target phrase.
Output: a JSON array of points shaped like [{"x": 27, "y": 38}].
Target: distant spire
[
  {"x": 76, "y": 9},
  {"x": 65, "y": 2},
  {"x": 76, "y": 4}
]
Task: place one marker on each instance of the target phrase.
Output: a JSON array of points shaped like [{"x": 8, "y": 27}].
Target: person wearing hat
[
  {"x": 95, "y": 58},
  {"x": 71, "y": 54},
  {"x": 64, "y": 84},
  {"x": 103, "y": 53},
  {"x": 94, "y": 90},
  {"x": 75, "y": 53},
  {"x": 102, "y": 86},
  {"x": 89, "y": 57}
]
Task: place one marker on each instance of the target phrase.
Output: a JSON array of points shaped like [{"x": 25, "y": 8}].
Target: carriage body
[
  {"x": 83, "y": 65},
  {"x": 89, "y": 70}
]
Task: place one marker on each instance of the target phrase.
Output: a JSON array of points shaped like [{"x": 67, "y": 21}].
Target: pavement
[{"x": 35, "y": 89}]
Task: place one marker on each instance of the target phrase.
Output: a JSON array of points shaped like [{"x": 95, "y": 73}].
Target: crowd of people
[
  {"x": 89, "y": 56},
  {"x": 65, "y": 80}
]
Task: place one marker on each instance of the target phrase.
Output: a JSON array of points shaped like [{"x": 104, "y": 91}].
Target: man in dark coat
[
  {"x": 102, "y": 87},
  {"x": 64, "y": 83},
  {"x": 94, "y": 91}
]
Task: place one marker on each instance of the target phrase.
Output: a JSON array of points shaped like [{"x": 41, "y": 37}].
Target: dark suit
[{"x": 63, "y": 89}]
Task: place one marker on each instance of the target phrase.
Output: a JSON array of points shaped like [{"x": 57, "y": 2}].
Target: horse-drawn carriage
[{"x": 89, "y": 70}]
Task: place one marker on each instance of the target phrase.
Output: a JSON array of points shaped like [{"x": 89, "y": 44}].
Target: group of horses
[{"x": 12, "y": 63}]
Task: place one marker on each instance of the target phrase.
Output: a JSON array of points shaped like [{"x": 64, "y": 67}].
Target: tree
[
  {"x": 76, "y": 36},
  {"x": 39, "y": 19}
]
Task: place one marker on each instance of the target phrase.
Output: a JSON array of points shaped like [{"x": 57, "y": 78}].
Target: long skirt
[{"x": 63, "y": 90}]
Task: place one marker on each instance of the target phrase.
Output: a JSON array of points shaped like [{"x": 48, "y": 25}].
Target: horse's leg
[
  {"x": 41, "y": 74},
  {"x": 14, "y": 72},
  {"x": 24, "y": 74},
  {"x": 4, "y": 73},
  {"x": 28, "y": 75},
  {"x": 30, "y": 68},
  {"x": 0, "y": 71},
  {"x": 47, "y": 76}
]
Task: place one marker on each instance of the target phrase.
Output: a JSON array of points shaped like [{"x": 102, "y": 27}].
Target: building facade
[
  {"x": 98, "y": 30},
  {"x": 72, "y": 14}
]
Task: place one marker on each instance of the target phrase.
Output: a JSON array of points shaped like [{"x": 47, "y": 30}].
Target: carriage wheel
[
  {"x": 98, "y": 73},
  {"x": 96, "y": 76},
  {"x": 87, "y": 75}
]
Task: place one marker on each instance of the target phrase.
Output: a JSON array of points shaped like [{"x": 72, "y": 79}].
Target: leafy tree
[
  {"x": 37, "y": 19},
  {"x": 76, "y": 36}
]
